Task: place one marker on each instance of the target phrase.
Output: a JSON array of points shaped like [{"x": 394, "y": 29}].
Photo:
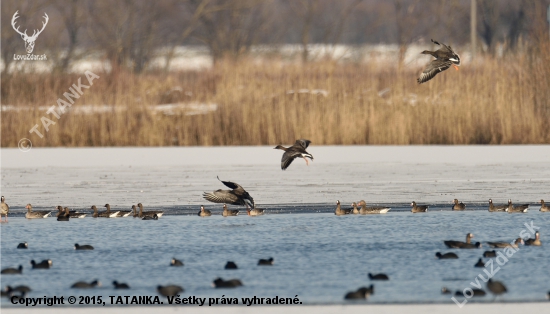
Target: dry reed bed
[{"x": 493, "y": 102}]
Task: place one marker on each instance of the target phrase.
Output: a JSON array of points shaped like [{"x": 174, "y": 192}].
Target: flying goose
[
  {"x": 176, "y": 262},
  {"x": 23, "y": 245},
  {"x": 255, "y": 211},
  {"x": 458, "y": 244},
  {"x": 361, "y": 293},
  {"x": 339, "y": 211},
  {"x": 105, "y": 214},
  {"x": 535, "y": 241},
  {"x": 4, "y": 209},
  {"x": 458, "y": 206},
  {"x": 544, "y": 208},
  {"x": 85, "y": 285},
  {"x": 226, "y": 212},
  {"x": 517, "y": 209},
  {"x": 36, "y": 214},
  {"x": 120, "y": 285},
  {"x": 500, "y": 244},
  {"x": 266, "y": 262},
  {"x": 117, "y": 213},
  {"x": 232, "y": 283},
  {"x": 236, "y": 196},
  {"x": 498, "y": 208},
  {"x": 12, "y": 271},
  {"x": 83, "y": 247},
  {"x": 149, "y": 213},
  {"x": 444, "y": 58},
  {"x": 449, "y": 255},
  {"x": 419, "y": 208},
  {"x": 295, "y": 151},
  {"x": 378, "y": 277},
  {"x": 373, "y": 209},
  {"x": 204, "y": 212},
  {"x": 170, "y": 290}
]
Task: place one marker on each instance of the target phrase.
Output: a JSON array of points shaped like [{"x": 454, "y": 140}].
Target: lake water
[{"x": 318, "y": 256}]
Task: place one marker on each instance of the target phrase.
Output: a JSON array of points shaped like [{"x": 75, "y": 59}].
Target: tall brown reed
[{"x": 492, "y": 101}]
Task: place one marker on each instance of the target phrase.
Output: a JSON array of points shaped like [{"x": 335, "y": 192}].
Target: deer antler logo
[{"x": 29, "y": 40}]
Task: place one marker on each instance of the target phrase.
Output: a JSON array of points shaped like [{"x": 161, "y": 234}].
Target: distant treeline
[{"x": 128, "y": 34}]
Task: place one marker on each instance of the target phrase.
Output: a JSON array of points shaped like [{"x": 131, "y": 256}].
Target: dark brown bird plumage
[
  {"x": 459, "y": 244},
  {"x": 517, "y": 208},
  {"x": 229, "y": 212},
  {"x": 339, "y": 211},
  {"x": 236, "y": 196},
  {"x": 449, "y": 255},
  {"x": 444, "y": 58},
  {"x": 298, "y": 150},
  {"x": 231, "y": 283},
  {"x": 497, "y": 208},
  {"x": 458, "y": 206}
]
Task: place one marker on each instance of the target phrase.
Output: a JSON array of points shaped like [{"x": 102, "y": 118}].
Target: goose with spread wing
[
  {"x": 236, "y": 196},
  {"x": 298, "y": 150},
  {"x": 445, "y": 57}
]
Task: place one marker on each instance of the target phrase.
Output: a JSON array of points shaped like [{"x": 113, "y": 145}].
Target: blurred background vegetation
[{"x": 252, "y": 72}]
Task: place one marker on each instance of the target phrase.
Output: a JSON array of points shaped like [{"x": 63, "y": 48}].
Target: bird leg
[
  {"x": 456, "y": 68},
  {"x": 307, "y": 164}
]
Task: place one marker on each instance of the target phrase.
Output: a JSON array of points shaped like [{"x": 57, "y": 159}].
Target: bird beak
[{"x": 456, "y": 68}]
